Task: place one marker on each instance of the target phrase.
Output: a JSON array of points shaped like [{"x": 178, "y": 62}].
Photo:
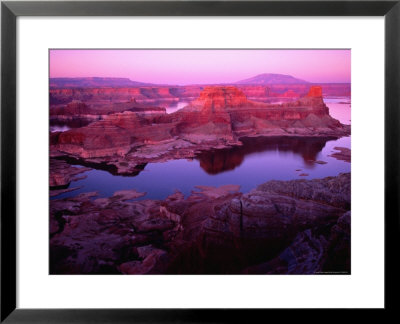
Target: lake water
[
  {"x": 57, "y": 128},
  {"x": 257, "y": 161},
  {"x": 175, "y": 107}
]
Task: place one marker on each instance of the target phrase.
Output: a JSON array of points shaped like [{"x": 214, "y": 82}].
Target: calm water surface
[
  {"x": 175, "y": 107},
  {"x": 257, "y": 161}
]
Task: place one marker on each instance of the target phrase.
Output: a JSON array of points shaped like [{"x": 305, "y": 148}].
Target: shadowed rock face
[
  {"x": 74, "y": 114},
  {"x": 299, "y": 226},
  {"x": 75, "y": 108},
  {"x": 218, "y": 118}
]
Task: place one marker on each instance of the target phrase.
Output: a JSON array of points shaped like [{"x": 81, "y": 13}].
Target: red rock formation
[
  {"x": 256, "y": 92},
  {"x": 114, "y": 135},
  {"x": 315, "y": 91},
  {"x": 74, "y": 108},
  {"x": 290, "y": 94},
  {"x": 214, "y": 100},
  {"x": 95, "y": 95}
]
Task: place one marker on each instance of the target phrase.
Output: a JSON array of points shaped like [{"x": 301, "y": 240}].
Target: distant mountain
[
  {"x": 271, "y": 78},
  {"x": 94, "y": 82}
]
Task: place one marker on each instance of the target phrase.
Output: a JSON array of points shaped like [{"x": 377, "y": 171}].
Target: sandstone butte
[{"x": 218, "y": 118}]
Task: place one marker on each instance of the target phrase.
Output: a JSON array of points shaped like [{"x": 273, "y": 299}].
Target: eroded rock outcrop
[
  {"x": 64, "y": 93},
  {"x": 342, "y": 153},
  {"x": 298, "y": 226},
  {"x": 62, "y": 174}
]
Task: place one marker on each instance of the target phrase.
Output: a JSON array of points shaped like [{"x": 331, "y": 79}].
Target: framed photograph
[{"x": 163, "y": 159}]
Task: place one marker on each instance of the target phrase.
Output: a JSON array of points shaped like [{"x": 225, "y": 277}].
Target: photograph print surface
[{"x": 199, "y": 161}]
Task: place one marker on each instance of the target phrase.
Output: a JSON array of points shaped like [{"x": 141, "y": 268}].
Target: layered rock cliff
[{"x": 168, "y": 94}]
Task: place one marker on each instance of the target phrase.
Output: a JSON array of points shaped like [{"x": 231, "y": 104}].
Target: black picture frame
[{"x": 10, "y": 10}]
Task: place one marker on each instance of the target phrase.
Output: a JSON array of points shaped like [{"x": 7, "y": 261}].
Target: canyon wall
[{"x": 152, "y": 94}]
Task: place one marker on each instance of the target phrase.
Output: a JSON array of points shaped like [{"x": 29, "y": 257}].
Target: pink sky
[{"x": 201, "y": 66}]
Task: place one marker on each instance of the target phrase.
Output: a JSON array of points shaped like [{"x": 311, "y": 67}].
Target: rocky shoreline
[
  {"x": 293, "y": 227},
  {"x": 343, "y": 153}
]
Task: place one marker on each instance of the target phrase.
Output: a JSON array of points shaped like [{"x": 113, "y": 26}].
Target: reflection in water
[{"x": 216, "y": 161}]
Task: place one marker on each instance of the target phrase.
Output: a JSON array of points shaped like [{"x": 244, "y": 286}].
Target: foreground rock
[
  {"x": 61, "y": 174},
  {"x": 343, "y": 154},
  {"x": 298, "y": 226}
]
